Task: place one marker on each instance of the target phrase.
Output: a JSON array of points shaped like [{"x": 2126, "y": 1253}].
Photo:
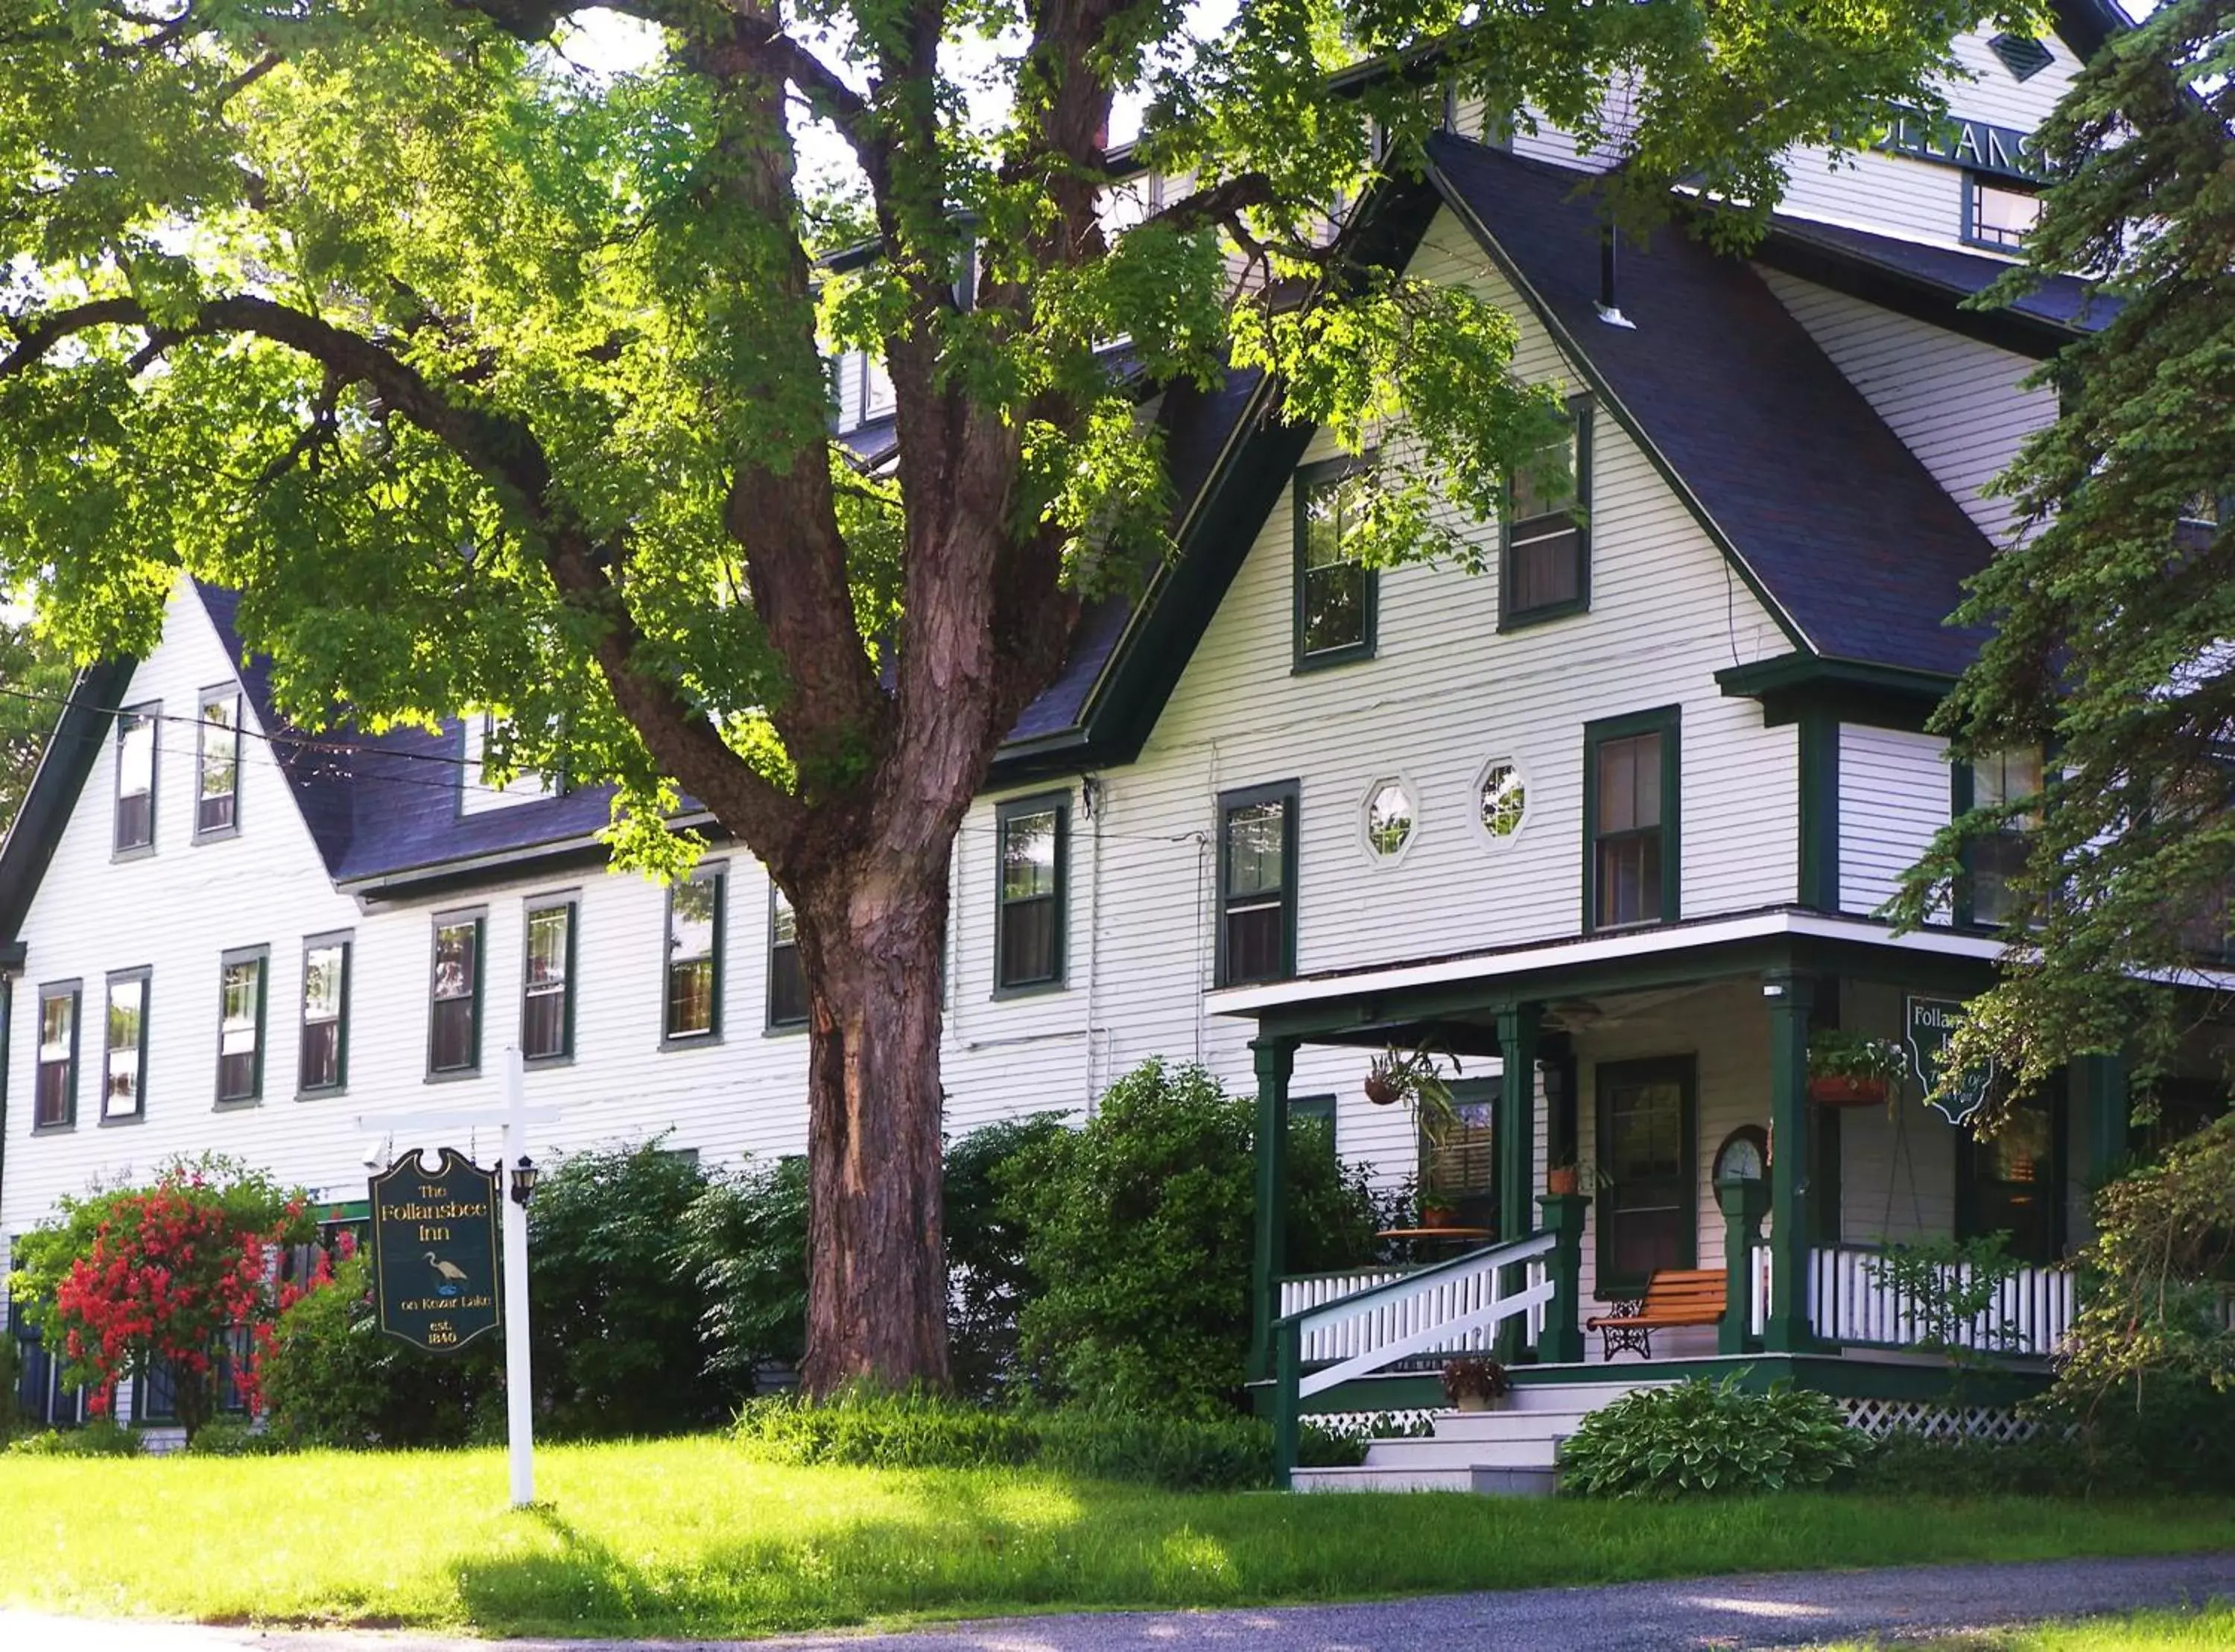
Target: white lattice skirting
[{"x": 1998, "y": 1425}]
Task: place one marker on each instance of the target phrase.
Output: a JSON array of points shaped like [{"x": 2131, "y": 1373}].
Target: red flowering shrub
[{"x": 137, "y": 1278}]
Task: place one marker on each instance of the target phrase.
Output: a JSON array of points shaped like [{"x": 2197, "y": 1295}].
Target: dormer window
[
  {"x": 135, "y": 778},
  {"x": 1335, "y": 593},
  {"x": 217, "y": 765}
]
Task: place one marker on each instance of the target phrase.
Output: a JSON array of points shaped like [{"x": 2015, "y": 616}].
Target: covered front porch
[{"x": 1673, "y": 1067}]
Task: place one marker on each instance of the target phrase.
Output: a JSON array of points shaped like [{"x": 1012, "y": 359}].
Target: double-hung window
[
  {"x": 1258, "y": 885},
  {"x": 1647, "y": 1212},
  {"x": 547, "y": 1007},
  {"x": 1336, "y": 593},
  {"x": 1029, "y": 934},
  {"x": 56, "y": 1104},
  {"x": 1630, "y": 770},
  {"x": 124, "y": 1058},
  {"x": 1545, "y": 564},
  {"x": 694, "y": 957},
  {"x": 135, "y": 778},
  {"x": 240, "y": 1026},
  {"x": 454, "y": 1033},
  {"x": 217, "y": 765},
  {"x": 786, "y": 975},
  {"x": 324, "y": 1059},
  {"x": 1993, "y": 860}
]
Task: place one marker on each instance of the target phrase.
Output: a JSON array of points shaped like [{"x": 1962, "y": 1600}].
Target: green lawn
[
  {"x": 693, "y": 1538},
  {"x": 2212, "y": 1629}
]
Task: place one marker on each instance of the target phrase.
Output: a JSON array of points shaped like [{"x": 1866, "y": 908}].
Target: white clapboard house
[{"x": 1607, "y": 828}]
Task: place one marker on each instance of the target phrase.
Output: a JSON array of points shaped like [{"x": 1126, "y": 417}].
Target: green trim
[
  {"x": 149, "y": 712},
  {"x": 346, "y": 939},
  {"x": 1288, "y": 793},
  {"x": 478, "y": 916},
  {"x": 1572, "y": 348},
  {"x": 1580, "y": 412},
  {"x": 718, "y": 875},
  {"x": 1275, "y": 1062},
  {"x": 531, "y": 909},
  {"x": 1819, "y": 809},
  {"x": 1790, "y": 997},
  {"x": 1684, "y": 1070},
  {"x": 2100, "y": 1096},
  {"x": 144, "y": 975},
  {"x": 1041, "y": 803},
  {"x": 1307, "y": 479},
  {"x": 1667, "y": 722},
  {"x": 261, "y": 957},
  {"x": 1875, "y": 696},
  {"x": 770, "y": 1022}
]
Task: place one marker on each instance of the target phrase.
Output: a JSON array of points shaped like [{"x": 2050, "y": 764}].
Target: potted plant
[
  {"x": 1471, "y": 1383},
  {"x": 1850, "y": 1070},
  {"x": 1574, "y": 1174},
  {"x": 1416, "y": 1076}
]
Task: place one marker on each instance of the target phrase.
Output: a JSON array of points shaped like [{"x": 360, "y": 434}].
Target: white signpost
[{"x": 514, "y": 1115}]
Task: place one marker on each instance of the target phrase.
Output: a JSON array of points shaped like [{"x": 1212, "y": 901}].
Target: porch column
[
  {"x": 1276, "y": 1061},
  {"x": 1515, "y": 1134},
  {"x": 1789, "y": 997},
  {"x": 1563, "y": 1342}
]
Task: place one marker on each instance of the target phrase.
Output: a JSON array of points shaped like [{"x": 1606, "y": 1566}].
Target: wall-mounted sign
[
  {"x": 1928, "y": 1024},
  {"x": 434, "y": 1251},
  {"x": 1976, "y": 145}
]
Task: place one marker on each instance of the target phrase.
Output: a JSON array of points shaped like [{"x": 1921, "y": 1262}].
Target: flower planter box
[{"x": 1835, "y": 1090}]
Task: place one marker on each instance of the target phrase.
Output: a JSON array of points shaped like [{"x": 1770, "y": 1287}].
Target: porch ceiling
[{"x": 1459, "y": 995}]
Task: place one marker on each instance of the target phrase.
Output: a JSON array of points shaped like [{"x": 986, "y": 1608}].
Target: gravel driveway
[{"x": 1797, "y": 1609}]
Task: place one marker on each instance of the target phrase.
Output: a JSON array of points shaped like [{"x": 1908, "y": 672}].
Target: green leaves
[{"x": 1697, "y": 1437}]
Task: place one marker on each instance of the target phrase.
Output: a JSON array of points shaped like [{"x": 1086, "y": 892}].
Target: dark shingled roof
[
  {"x": 2062, "y": 301},
  {"x": 1830, "y": 516}
]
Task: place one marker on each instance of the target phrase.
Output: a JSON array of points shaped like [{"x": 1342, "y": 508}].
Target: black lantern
[{"x": 524, "y": 1176}]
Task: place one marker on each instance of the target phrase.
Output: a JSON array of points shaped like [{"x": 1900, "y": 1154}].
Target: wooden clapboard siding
[
  {"x": 1893, "y": 796},
  {"x": 1957, "y": 404}
]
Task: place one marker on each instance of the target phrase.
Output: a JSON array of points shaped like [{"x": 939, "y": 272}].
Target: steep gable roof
[{"x": 1835, "y": 524}]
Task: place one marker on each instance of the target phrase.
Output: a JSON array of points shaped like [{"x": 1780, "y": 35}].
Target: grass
[
  {"x": 2212, "y": 1629},
  {"x": 694, "y": 1537}
]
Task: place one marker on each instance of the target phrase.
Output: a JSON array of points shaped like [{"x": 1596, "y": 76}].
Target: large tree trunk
[{"x": 876, "y": 1300}]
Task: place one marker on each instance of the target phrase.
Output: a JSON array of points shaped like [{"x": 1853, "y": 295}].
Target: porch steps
[{"x": 1512, "y": 1452}]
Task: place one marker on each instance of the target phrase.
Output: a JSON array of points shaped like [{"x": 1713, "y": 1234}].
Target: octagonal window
[
  {"x": 1389, "y": 817},
  {"x": 1504, "y": 798}
]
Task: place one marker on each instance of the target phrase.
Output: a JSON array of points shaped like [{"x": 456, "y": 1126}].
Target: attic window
[
  {"x": 1335, "y": 593},
  {"x": 135, "y": 778},
  {"x": 216, "y": 787},
  {"x": 1998, "y": 213},
  {"x": 1545, "y": 570},
  {"x": 2022, "y": 56}
]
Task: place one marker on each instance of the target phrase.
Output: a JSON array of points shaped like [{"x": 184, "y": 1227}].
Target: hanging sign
[
  {"x": 1928, "y": 1025},
  {"x": 434, "y": 1252}
]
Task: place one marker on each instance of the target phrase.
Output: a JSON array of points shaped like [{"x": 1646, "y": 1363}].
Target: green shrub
[
  {"x": 1701, "y": 1437},
  {"x": 743, "y": 1244},
  {"x": 990, "y": 1283},
  {"x": 229, "y": 1437},
  {"x": 102, "y": 1437},
  {"x": 867, "y": 1429},
  {"x": 1141, "y": 1223},
  {"x": 620, "y": 1314},
  {"x": 330, "y": 1378}
]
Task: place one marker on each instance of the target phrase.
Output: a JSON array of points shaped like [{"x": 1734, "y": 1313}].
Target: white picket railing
[
  {"x": 1450, "y": 1308},
  {"x": 1299, "y": 1291},
  {"x": 1848, "y": 1302}
]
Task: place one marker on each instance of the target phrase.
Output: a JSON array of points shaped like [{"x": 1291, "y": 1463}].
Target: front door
[
  {"x": 2013, "y": 1182},
  {"x": 1647, "y": 1212}
]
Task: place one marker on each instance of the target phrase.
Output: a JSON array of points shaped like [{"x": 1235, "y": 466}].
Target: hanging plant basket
[{"x": 1843, "y": 1090}]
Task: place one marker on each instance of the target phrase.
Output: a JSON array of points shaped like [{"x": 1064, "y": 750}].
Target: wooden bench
[{"x": 1673, "y": 1296}]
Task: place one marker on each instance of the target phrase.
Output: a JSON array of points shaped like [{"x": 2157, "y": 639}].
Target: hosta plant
[{"x": 1699, "y": 1437}]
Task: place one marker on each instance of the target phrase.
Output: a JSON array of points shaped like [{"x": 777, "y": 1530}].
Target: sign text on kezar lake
[
  {"x": 434, "y": 1251},
  {"x": 1928, "y": 1023}
]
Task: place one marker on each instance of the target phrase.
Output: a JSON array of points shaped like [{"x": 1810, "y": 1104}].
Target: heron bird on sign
[{"x": 449, "y": 1270}]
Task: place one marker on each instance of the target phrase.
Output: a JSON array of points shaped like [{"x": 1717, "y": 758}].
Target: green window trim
[
  {"x": 344, "y": 942},
  {"x": 1511, "y": 615},
  {"x": 469, "y": 1065},
  {"x": 1610, "y": 1282},
  {"x": 64, "y": 1113},
  {"x": 217, "y": 814},
  {"x": 1016, "y": 975},
  {"x": 1962, "y": 798},
  {"x": 1309, "y": 480},
  {"x": 260, "y": 957},
  {"x": 539, "y": 906},
  {"x": 716, "y": 875},
  {"x": 784, "y": 956},
  {"x": 1667, "y": 722},
  {"x": 1287, "y": 794},
  {"x": 140, "y": 978}
]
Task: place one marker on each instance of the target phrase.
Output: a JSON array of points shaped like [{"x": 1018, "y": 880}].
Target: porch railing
[
  {"x": 1452, "y": 1307},
  {"x": 2029, "y": 1314}
]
